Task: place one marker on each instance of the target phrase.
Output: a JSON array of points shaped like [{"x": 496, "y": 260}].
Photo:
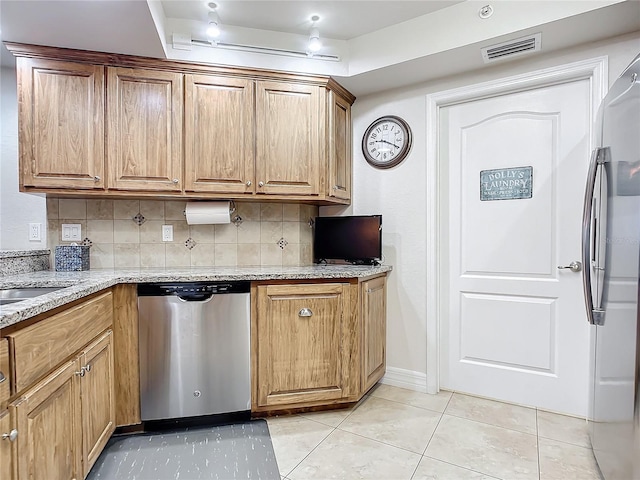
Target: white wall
[
  {"x": 17, "y": 209},
  {"x": 399, "y": 193}
]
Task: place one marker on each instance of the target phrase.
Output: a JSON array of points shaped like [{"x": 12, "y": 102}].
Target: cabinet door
[
  {"x": 339, "y": 183},
  {"x": 48, "y": 424},
  {"x": 7, "y": 450},
  {"x": 374, "y": 327},
  {"x": 300, "y": 343},
  {"x": 219, "y": 133},
  {"x": 144, "y": 131},
  {"x": 97, "y": 396},
  {"x": 287, "y": 138},
  {"x": 61, "y": 124}
]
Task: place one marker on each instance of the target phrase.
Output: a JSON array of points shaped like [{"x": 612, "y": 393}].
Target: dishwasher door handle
[{"x": 195, "y": 300}]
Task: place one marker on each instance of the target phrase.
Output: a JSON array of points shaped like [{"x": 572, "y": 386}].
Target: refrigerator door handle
[{"x": 595, "y": 313}]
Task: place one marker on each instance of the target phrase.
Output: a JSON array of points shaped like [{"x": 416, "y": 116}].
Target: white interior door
[{"x": 517, "y": 329}]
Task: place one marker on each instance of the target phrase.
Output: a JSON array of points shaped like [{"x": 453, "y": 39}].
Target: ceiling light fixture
[
  {"x": 213, "y": 30},
  {"x": 314, "y": 36}
]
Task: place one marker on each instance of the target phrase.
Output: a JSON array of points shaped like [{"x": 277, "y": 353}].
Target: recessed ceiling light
[
  {"x": 485, "y": 12},
  {"x": 212, "y": 5},
  {"x": 315, "y": 18}
]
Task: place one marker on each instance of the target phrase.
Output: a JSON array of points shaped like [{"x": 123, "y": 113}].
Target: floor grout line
[
  {"x": 310, "y": 451},
  {"x": 460, "y": 466},
  {"x": 490, "y": 424}
]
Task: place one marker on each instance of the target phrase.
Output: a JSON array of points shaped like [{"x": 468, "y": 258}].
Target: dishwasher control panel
[{"x": 184, "y": 289}]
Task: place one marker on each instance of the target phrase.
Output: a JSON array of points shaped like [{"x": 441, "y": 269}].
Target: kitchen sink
[{"x": 13, "y": 295}]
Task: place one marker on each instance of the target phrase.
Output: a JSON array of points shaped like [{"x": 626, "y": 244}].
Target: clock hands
[{"x": 384, "y": 141}]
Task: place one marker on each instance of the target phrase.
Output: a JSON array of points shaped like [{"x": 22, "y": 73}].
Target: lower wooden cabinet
[
  {"x": 316, "y": 344},
  {"x": 8, "y": 437},
  {"x": 65, "y": 419},
  {"x": 49, "y": 430},
  {"x": 301, "y": 335},
  {"x": 97, "y": 399},
  {"x": 374, "y": 330}
]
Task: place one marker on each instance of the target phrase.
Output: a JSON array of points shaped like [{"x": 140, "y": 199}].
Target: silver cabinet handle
[
  {"x": 2, "y": 377},
  {"x": 305, "y": 312},
  {"x": 11, "y": 436},
  {"x": 574, "y": 266},
  {"x": 175, "y": 180},
  {"x": 248, "y": 183},
  {"x": 81, "y": 373},
  {"x": 87, "y": 368},
  {"x": 261, "y": 184},
  {"x": 96, "y": 178}
]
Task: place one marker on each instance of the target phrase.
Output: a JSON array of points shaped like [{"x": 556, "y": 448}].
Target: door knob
[{"x": 573, "y": 266}]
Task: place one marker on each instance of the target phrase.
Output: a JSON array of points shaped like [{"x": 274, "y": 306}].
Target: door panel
[
  {"x": 145, "y": 129},
  {"x": 48, "y": 423},
  {"x": 300, "y": 334},
  {"x": 517, "y": 329},
  {"x": 616, "y": 360},
  {"x": 374, "y": 326},
  {"x": 339, "y": 184},
  {"x": 98, "y": 405},
  {"x": 288, "y": 138},
  {"x": 61, "y": 123},
  {"x": 219, "y": 128}
]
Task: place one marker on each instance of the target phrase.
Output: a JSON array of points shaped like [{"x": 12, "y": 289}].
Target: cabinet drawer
[
  {"x": 41, "y": 347},
  {"x": 4, "y": 372}
]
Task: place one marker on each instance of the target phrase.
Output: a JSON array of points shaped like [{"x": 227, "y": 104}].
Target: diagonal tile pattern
[{"x": 401, "y": 434}]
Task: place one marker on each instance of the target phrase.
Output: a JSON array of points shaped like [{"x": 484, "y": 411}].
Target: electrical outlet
[
  {"x": 35, "y": 232},
  {"x": 71, "y": 232},
  {"x": 167, "y": 233}
]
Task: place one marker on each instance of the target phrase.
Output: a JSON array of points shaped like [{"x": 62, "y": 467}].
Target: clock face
[{"x": 386, "y": 142}]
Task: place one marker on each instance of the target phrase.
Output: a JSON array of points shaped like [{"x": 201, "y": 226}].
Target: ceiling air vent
[{"x": 512, "y": 48}]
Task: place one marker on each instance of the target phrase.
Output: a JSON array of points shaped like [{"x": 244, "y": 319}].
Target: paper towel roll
[{"x": 207, "y": 213}]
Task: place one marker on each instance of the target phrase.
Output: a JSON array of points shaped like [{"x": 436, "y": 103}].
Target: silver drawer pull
[
  {"x": 2, "y": 377},
  {"x": 88, "y": 368},
  {"x": 81, "y": 372},
  {"x": 305, "y": 312},
  {"x": 11, "y": 436}
]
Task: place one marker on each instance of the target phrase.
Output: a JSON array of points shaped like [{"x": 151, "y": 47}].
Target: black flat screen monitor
[{"x": 355, "y": 239}]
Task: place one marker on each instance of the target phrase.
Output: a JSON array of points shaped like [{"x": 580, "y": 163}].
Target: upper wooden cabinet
[
  {"x": 219, "y": 138},
  {"x": 177, "y": 129},
  {"x": 144, "y": 129},
  {"x": 61, "y": 124},
  {"x": 339, "y": 147},
  {"x": 287, "y": 138}
]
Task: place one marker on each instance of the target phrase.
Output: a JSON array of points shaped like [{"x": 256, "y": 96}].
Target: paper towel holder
[{"x": 237, "y": 220}]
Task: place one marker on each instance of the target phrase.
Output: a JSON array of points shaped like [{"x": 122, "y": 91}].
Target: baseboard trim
[{"x": 399, "y": 377}]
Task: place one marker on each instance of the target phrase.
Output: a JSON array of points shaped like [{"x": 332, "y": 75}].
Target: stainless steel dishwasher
[{"x": 194, "y": 349}]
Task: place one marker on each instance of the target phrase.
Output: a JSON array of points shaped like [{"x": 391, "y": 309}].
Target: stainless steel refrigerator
[{"x": 611, "y": 251}]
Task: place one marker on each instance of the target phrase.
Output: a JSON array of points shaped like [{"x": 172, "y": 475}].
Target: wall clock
[{"x": 386, "y": 142}]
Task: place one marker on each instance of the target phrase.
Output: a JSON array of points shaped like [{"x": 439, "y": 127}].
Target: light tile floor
[{"x": 395, "y": 433}]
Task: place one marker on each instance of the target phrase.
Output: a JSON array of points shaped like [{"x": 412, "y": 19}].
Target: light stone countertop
[{"x": 80, "y": 284}]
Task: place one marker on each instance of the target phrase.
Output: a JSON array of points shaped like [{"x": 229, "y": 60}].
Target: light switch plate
[{"x": 71, "y": 232}]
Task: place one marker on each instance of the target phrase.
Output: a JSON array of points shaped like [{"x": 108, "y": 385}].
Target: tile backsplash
[{"x": 128, "y": 233}]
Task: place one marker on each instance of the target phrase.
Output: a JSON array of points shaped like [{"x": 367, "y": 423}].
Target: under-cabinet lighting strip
[{"x": 266, "y": 50}]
